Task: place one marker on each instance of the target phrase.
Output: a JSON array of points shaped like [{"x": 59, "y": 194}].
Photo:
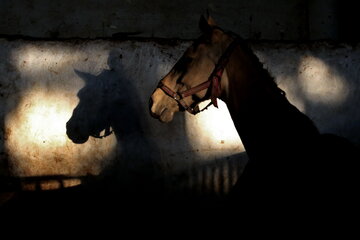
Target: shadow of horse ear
[{"x": 85, "y": 76}]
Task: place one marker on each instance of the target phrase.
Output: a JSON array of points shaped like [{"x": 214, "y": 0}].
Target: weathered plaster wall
[
  {"x": 39, "y": 87},
  {"x": 39, "y": 92}
]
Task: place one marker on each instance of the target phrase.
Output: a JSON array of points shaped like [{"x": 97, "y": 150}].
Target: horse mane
[
  {"x": 284, "y": 109},
  {"x": 264, "y": 73}
]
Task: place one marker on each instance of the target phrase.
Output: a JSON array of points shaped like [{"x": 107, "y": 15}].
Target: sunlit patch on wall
[
  {"x": 321, "y": 83},
  {"x": 213, "y": 131},
  {"x": 50, "y": 60},
  {"x": 38, "y": 108},
  {"x": 37, "y": 143}
]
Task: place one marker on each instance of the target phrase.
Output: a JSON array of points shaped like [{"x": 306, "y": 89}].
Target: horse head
[
  {"x": 195, "y": 77},
  {"x": 92, "y": 115}
]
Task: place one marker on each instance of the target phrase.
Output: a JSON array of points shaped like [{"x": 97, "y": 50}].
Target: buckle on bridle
[{"x": 177, "y": 96}]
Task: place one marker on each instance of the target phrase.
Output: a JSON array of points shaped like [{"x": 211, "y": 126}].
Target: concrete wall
[{"x": 256, "y": 19}]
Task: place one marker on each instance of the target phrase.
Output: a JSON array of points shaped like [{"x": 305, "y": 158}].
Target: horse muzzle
[{"x": 74, "y": 133}]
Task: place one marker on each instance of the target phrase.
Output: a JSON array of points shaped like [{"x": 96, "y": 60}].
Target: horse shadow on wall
[{"x": 109, "y": 103}]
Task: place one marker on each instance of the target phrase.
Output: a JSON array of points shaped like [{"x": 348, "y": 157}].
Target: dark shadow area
[
  {"x": 207, "y": 185},
  {"x": 348, "y": 17},
  {"x": 6, "y": 66},
  {"x": 6, "y": 87},
  {"x": 203, "y": 189}
]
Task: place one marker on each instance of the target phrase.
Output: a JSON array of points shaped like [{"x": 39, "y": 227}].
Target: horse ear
[
  {"x": 204, "y": 25},
  {"x": 211, "y": 21}
]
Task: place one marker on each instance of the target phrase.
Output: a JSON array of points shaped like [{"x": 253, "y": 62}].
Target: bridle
[{"x": 213, "y": 82}]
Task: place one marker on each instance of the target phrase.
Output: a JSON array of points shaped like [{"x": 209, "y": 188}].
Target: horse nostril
[{"x": 154, "y": 115}]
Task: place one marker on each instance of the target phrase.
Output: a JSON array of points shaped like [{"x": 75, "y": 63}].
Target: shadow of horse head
[
  {"x": 108, "y": 101},
  {"x": 93, "y": 114}
]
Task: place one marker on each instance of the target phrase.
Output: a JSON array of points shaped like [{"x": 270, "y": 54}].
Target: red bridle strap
[{"x": 179, "y": 96}]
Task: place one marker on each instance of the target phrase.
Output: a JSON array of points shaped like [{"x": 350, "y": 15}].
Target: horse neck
[{"x": 261, "y": 113}]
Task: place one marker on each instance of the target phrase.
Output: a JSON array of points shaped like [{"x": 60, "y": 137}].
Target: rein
[{"x": 213, "y": 82}]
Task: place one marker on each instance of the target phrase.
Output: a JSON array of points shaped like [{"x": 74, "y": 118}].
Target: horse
[{"x": 291, "y": 164}]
